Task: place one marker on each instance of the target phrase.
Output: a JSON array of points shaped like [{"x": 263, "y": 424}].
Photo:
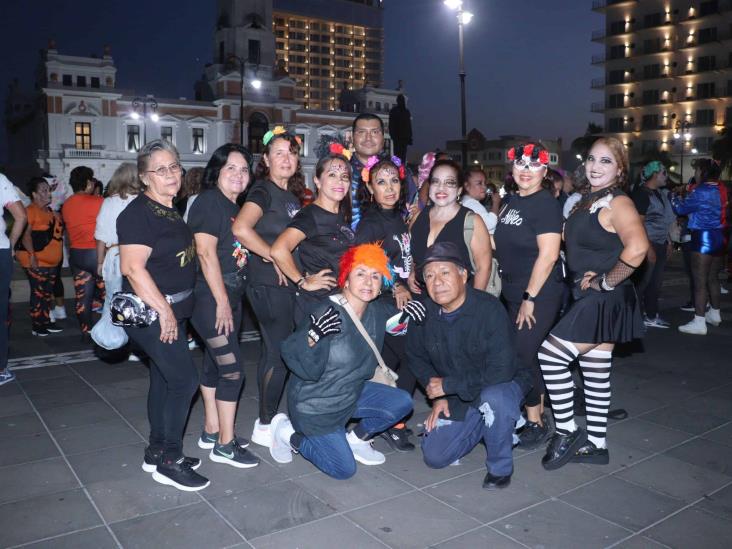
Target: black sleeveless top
[
  {"x": 589, "y": 246},
  {"x": 451, "y": 232}
]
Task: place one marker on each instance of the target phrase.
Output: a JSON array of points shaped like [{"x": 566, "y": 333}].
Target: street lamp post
[
  {"x": 463, "y": 18},
  {"x": 241, "y": 96},
  {"x": 682, "y": 132},
  {"x": 139, "y": 103}
]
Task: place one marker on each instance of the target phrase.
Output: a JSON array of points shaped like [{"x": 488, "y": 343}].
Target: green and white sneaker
[
  {"x": 234, "y": 455},
  {"x": 208, "y": 440}
]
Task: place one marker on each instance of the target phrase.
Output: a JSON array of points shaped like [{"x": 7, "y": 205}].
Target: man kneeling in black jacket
[{"x": 464, "y": 356}]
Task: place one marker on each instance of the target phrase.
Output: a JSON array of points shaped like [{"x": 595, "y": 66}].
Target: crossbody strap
[
  {"x": 468, "y": 225},
  {"x": 343, "y": 302}
]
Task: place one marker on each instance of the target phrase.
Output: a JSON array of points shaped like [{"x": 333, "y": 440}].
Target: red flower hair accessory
[
  {"x": 337, "y": 148},
  {"x": 511, "y": 154},
  {"x": 544, "y": 157},
  {"x": 370, "y": 255}
]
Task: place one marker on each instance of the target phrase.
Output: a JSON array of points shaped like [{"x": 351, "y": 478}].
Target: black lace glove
[
  {"x": 328, "y": 323},
  {"x": 415, "y": 311},
  {"x": 607, "y": 282}
]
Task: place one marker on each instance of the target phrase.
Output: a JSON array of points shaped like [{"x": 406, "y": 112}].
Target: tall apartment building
[
  {"x": 329, "y": 45},
  {"x": 668, "y": 70}
]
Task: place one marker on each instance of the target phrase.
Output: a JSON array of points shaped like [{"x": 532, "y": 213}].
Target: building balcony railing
[
  {"x": 598, "y": 59},
  {"x": 597, "y": 83},
  {"x": 597, "y": 107},
  {"x": 72, "y": 152}
]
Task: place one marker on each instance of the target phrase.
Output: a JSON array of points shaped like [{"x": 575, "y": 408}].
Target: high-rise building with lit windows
[
  {"x": 326, "y": 45},
  {"x": 668, "y": 74}
]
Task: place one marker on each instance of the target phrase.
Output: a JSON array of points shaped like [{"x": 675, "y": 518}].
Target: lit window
[
  {"x": 82, "y": 135},
  {"x": 166, "y": 133}
]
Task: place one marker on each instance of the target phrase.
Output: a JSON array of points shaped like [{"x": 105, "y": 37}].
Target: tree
[{"x": 581, "y": 145}]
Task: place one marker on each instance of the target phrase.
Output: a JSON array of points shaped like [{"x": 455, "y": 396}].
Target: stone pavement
[{"x": 73, "y": 429}]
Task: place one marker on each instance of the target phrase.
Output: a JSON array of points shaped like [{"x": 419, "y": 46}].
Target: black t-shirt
[
  {"x": 214, "y": 214},
  {"x": 278, "y": 209},
  {"x": 519, "y": 223},
  {"x": 172, "y": 262},
  {"x": 327, "y": 237},
  {"x": 387, "y": 228}
]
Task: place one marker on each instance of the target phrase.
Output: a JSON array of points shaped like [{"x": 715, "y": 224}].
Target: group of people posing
[{"x": 382, "y": 283}]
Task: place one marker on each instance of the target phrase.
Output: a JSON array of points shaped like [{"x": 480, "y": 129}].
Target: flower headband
[
  {"x": 337, "y": 148},
  {"x": 529, "y": 150},
  {"x": 279, "y": 130},
  {"x": 373, "y": 160}
]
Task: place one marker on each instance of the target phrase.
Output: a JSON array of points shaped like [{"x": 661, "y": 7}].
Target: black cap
[{"x": 444, "y": 251}]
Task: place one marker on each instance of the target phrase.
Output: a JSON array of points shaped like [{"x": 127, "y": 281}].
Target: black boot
[
  {"x": 589, "y": 453},
  {"x": 561, "y": 448}
]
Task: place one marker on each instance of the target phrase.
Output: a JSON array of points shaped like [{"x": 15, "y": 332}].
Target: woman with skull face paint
[
  {"x": 321, "y": 232},
  {"x": 606, "y": 242},
  {"x": 444, "y": 220},
  {"x": 528, "y": 238},
  {"x": 382, "y": 196}
]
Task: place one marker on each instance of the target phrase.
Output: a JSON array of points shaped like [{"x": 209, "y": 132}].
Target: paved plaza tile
[{"x": 74, "y": 431}]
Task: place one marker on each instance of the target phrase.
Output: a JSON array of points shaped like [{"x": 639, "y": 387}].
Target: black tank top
[
  {"x": 451, "y": 232},
  {"x": 589, "y": 246}
]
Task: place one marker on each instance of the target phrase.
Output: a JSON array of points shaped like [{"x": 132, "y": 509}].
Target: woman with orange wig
[{"x": 332, "y": 366}]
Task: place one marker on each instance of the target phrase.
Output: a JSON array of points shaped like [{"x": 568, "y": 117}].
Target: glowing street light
[{"x": 463, "y": 18}]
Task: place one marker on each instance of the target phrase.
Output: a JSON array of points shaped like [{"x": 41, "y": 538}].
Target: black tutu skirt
[{"x": 602, "y": 317}]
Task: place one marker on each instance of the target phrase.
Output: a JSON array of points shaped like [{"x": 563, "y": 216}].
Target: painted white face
[
  {"x": 601, "y": 168},
  {"x": 444, "y": 186},
  {"x": 526, "y": 163}
]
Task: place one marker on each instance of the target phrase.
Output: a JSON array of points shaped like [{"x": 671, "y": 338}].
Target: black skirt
[{"x": 602, "y": 317}]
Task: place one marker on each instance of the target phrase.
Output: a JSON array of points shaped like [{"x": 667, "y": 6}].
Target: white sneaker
[
  {"x": 262, "y": 434},
  {"x": 133, "y": 358},
  {"x": 723, "y": 290},
  {"x": 282, "y": 430},
  {"x": 713, "y": 317},
  {"x": 59, "y": 313},
  {"x": 696, "y": 326},
  {"x": 363, "y": 451},
  {"x": 655, "y": 322}
]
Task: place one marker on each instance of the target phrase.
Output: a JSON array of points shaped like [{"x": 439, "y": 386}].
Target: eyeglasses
[
  {"x": 450, "y": 183},
  {"x": 532, "y": 165},
  {"x": 163, "y": 171}
]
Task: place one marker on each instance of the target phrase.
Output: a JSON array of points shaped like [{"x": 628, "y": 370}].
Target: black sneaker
[
  {"x": 40, "y": 332},
  {"x": 54, "y": 328},
  {"x": 208, "y": 440},
  {"x": 562, "y": 448},
  {"x": 179, "y": 474},
  {"x": 533, "y": 435},
  {"x": 589, "y": 453},
  {"x": 234, "y": 455},
  {"x": 398, "y": 440},
  {"x": 152, "y": 460}
]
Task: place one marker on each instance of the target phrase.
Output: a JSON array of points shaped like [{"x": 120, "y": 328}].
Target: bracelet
[
  {"x": 604, "y": 285},
  {"x": 300, "y": 282}
]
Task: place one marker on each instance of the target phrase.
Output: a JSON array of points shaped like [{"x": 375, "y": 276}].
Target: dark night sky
[{"x": 527, "y": 62}]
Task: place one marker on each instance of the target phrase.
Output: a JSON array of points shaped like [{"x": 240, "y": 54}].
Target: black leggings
[
  {"x": 650, "y": 287},
  {"x": 83, "y": 264},
  {"x": 705, "y": 271},
  {"x": 222, "y": 368},
  {"x": 173, "y": 382},
  {"x": 546, "y": 310},
  {"x": 274, "y": 309}
]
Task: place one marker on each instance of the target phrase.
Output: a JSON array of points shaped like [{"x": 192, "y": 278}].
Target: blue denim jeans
[
  {"x": 494, "y": 423},
  {"x": 379, "y": 407}
]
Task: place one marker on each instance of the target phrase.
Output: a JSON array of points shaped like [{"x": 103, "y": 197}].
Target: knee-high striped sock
[
  {"x": 555, "y": 355},
  {"x": 595, "y": 367}
]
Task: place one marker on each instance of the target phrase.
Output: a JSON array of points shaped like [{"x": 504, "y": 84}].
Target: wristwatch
[{"x": 528, "y": 297}]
